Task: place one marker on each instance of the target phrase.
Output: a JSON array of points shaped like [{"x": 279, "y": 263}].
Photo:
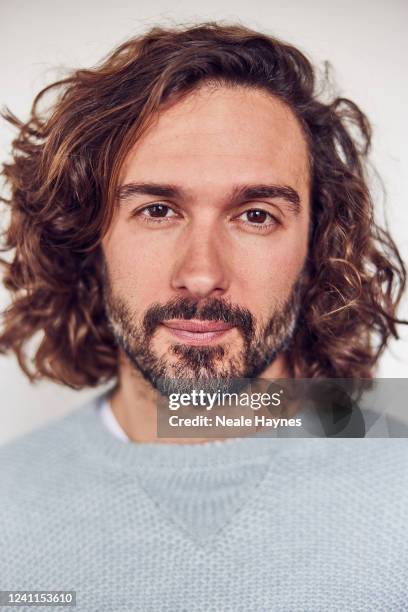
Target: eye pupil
[
  {"x": 158, "y": 210},
  {"x": 257, "y": 216}
]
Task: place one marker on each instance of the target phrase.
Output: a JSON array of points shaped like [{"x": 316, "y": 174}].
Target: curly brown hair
[{"x": 63, "y": 180}]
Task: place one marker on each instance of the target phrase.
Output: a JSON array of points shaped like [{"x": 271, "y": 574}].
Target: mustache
[{"x": 213, "y": 309}]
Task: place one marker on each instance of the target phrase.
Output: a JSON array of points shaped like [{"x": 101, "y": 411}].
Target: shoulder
[
  {"x": 38, "y": 457},
  {"x": 43, "y": 475}
]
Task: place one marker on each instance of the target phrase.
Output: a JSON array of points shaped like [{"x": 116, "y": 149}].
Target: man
[{"x": 189, "y": 214}]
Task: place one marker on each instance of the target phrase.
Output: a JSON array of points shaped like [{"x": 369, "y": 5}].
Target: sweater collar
[{"x": 231, "y": 451}]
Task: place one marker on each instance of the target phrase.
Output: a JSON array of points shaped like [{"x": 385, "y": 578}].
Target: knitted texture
[{"x": 256, "y": 524}]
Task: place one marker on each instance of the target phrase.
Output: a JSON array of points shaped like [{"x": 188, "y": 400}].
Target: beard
[{"x": 210, "y": 368}]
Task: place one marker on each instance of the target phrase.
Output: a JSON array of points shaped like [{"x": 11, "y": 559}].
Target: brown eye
[
  {"x": 258, "y": 219},
  {"x": 157, "y": 210},
  {"x": 155, "y": 213},
  {"x": 257, "y": 216}
]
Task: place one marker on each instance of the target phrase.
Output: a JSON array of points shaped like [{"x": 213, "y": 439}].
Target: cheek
[
  {"x": 137, "y": 265},
  {"x": 269, "y": 268}
]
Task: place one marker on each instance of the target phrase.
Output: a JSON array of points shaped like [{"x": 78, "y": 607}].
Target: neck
[{"x": 134, "y": 403}]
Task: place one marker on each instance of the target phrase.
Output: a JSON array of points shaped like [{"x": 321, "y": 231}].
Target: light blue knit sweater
[{"x": 257, "y": 524}]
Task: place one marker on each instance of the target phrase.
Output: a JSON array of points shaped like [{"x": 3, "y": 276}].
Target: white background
[{"x": 365, "y": 41}]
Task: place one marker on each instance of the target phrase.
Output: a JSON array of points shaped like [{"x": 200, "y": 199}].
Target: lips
[{"x": 197, "y": 332}]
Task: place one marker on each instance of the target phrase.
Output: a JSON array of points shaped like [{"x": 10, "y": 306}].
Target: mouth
[{"x": 197, "y": 332}]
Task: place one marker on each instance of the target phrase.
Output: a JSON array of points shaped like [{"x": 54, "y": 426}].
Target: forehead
[{"x": 219, "y": 135}]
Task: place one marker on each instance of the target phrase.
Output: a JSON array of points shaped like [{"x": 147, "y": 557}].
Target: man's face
[{"x": 204, "y": 256}]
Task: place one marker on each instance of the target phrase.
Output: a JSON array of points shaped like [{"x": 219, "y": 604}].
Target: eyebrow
[{"x": 239, "y": 193}]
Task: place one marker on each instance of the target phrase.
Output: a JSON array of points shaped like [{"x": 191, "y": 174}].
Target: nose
[{"x": 201, "y": 270}]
